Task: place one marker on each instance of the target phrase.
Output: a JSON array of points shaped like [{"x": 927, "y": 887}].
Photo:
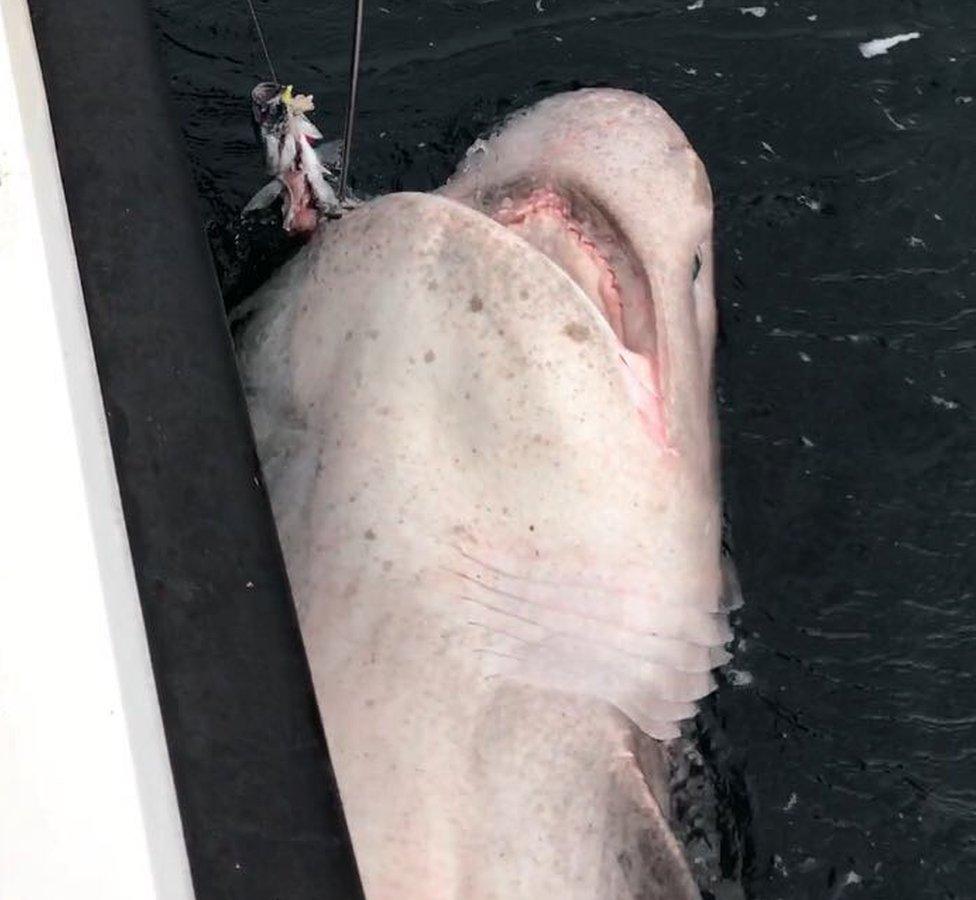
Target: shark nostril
[{"x": 696, "y": 267}]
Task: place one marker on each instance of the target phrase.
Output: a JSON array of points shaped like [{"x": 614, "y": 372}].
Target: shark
[{"x": 486, "y": 421}]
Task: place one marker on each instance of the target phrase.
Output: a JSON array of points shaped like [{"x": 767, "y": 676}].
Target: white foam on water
[
  {"x": 738, "y": 677},
  {"x": 757, "y": 11},
  {"x": 943, "y": 403},
  {"x": 880, "y": 46}
]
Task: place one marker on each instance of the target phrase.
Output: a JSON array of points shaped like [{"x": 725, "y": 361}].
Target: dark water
[{"x": 845, "y": 738}]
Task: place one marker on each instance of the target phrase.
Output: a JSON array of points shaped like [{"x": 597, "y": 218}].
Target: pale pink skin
[
  {"x": 301, "y": 214},
  {"x": 487, "y": 426}
]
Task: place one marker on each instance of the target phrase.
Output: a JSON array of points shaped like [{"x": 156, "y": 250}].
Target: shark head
[{"x": 606, "y": 185}]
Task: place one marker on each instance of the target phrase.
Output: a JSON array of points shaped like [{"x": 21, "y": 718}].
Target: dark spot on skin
[
  {"x": 429, "y": 356},
  {"x": 464, "y": 532},
  {"x": 348, "y": 335},
  {"x": 532, "y": 528},
  {"x": 387, "y": 565},
  {"x": 373, "y": 334},
  {"x": 476, "y": 304},
  {"x": 432, "y": 284},
  {"x": 577, "y": 331},
  {"x": 369, "y": 534}
]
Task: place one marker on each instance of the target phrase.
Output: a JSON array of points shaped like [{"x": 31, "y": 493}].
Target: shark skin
[{"x": 486, "y": 422}]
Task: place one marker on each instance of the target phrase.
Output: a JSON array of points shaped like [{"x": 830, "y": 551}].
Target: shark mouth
[{"x": 582, "y": 239}]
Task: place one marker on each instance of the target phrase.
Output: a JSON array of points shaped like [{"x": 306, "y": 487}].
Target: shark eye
[{"x": 695, "y": 267}]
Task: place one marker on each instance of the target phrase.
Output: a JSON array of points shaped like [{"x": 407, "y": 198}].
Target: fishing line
[
  {"x": 357, "y": 45},
  {"x": 264, "y": 45}
]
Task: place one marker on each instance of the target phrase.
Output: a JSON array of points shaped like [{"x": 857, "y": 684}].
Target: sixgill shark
[{"x": 486, "y": 420}]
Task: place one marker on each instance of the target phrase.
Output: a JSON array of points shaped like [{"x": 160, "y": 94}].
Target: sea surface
[{"x": 842, "y": 742}]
